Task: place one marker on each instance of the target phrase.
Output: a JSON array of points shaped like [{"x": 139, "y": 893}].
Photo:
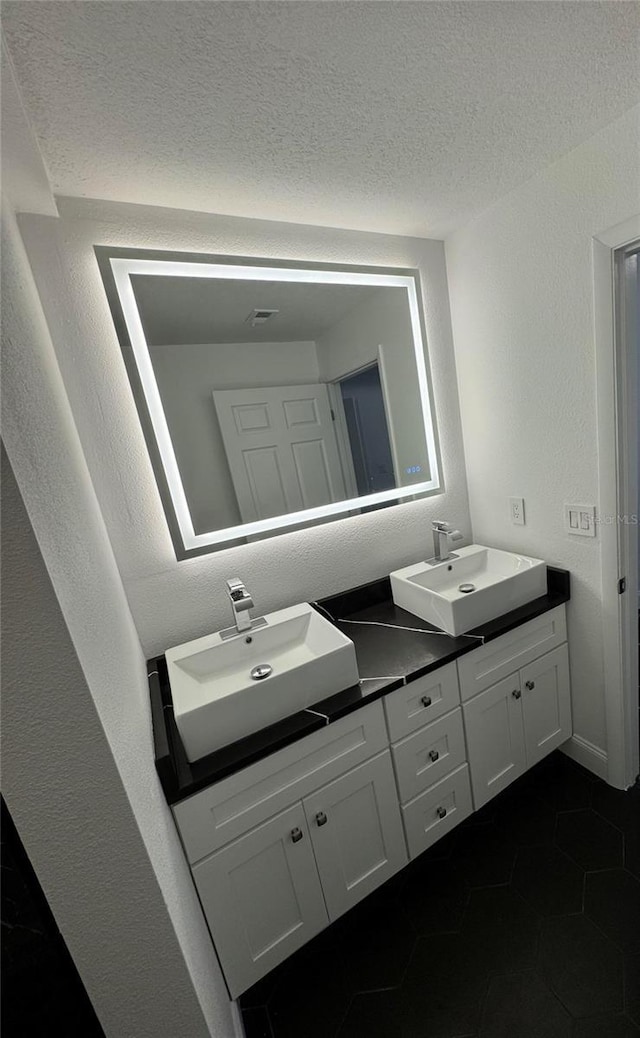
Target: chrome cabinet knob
[
  {"x": 296, "y": 834},
  {"x": 426, "y": 700},
  {"x": 516, "y": 693},
  {"x": 433, "y": 755},
  {"x": 441, "y": 812},
  {"x": 321, "y": 818},
  {"x": 529, "y": 684}
]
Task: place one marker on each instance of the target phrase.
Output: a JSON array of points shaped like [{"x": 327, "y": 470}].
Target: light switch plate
[{"x": 580, "y": 520}]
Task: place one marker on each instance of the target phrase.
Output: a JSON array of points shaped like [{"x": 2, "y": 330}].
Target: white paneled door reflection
[{"x": 281, "y": 448}]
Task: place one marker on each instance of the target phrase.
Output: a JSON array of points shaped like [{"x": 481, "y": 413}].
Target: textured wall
[
  {"x": 520, "y": 279},
  {"x": 172, "y": 602},
  {"x": 78, "y": 768}
]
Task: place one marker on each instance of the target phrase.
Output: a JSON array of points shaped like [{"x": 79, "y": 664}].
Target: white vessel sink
[
  {"x": 215, "y": 698},
  {"x": 501, "y": 581}
]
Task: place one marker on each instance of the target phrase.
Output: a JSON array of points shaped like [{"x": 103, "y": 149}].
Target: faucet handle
[
  {"x": 236, "y": 589},
  {"x": 439, "y": 525}
]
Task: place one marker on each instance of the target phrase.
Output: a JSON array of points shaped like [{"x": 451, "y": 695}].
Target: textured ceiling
[{"x": 405, "y": 117}]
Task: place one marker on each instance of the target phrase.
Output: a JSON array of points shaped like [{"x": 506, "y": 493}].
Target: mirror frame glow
[{"x": 118, "y": 264}]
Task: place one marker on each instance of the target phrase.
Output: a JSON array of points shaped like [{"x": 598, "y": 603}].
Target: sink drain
[
  {"x": 263, "y": 670},
  {"x": 466, "y": 588}
]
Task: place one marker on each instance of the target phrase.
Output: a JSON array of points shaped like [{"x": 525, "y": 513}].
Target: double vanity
[{"x": 291, "y": 804}]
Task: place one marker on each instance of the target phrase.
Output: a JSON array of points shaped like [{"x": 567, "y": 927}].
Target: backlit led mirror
[{"x": 273, "y": 395}]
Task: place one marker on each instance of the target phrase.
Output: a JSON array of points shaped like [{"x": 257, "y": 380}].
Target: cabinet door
[
  {"x": 546, "y": 704},
  {"x": 357, "y": 833},
  {"x": 262, "y": 898},
  {"x": 495, "y": 738}
]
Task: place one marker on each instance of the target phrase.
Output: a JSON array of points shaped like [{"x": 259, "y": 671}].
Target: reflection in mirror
[{"x": 272, "y": 397}]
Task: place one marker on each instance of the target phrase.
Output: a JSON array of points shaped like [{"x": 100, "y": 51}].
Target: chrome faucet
[
  {"x": 241, "y": 603},
  {"x": 442, "y": 532}
]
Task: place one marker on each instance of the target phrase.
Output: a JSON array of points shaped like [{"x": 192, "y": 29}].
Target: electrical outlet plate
[
  {"x": 516, "y": 511},
  {"x": 580, "y": 520}
]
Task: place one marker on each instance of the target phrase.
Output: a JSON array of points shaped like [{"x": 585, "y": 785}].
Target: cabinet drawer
[
  {"x": 429, "y": 754},
  {"x": 490, "y": 663},
  {"x": 437, "y": 811},
  {"x": 224, "y": 811},
  {"x": 422, "y": 701}
]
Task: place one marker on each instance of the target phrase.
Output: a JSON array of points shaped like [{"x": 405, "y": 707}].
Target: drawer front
[
  {"x": 494, "y": 661},
  {"x": 429, "y": 754},
  {"x": 213, "y": 817},
  {"x": 422, "y": 701},
  {"x": 437, "y": 811}
]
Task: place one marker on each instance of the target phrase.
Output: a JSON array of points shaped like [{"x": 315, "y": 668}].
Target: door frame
[
  {"x": 617, "y": 427},
  {"x": 342, "y": 439}
]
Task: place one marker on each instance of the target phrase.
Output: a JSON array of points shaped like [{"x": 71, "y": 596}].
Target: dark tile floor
[
  {"x": 523, "y": 923},
  {"x": 42, "y": 993}
]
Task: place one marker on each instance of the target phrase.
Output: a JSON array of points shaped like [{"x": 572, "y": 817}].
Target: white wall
[
  {"x": 78, "y": 769},
  {"x": 171, "y": 601},
  {"x": 352, "y": 342},
  {"x": 187, "y": 376},
  {"x": 520, "y": 278}
]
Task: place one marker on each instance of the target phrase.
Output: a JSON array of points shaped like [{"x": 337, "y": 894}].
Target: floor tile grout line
[
  {"x": 336, "y": 1033},
  {"x": 607, "y": 820},
  {"x": 574, "y": 811},
  {"x": 585, "y": 868},
  {"x": 608, "y": 937}
]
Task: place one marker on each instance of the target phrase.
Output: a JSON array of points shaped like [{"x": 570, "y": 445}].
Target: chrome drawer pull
[
  {"x": 529, "y": 684},
  {"x": 426, "y": 700},
  {"x": 321, "y": 818},
  {"x": 441, "y": 812},
  {"x": 296, "y": 834},
  {"x": 433, "y": 754}
]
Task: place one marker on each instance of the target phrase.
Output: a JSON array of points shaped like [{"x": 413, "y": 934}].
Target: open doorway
[{"x": 367, "y": 430}]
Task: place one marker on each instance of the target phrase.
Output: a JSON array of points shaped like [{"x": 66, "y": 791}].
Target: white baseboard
[
  {"x": 236, "y": 1016},
  {"x": 586, "y": 753}
]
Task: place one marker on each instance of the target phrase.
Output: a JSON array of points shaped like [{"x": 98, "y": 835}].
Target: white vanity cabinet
[
  {"x": 281, "y": 848},
  {"x": 268, "y": 892},
  {"x": 518, "y": 720},
  {"x": 269, "y": 882}
]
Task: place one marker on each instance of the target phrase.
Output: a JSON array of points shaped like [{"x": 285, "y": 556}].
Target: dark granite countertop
[{"x": 387, "y": 659}]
